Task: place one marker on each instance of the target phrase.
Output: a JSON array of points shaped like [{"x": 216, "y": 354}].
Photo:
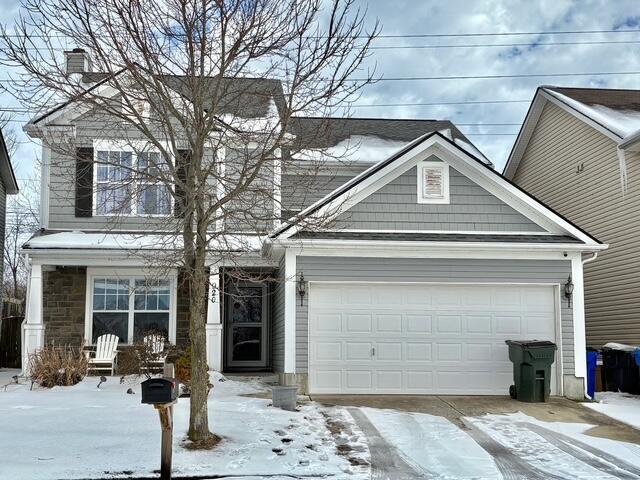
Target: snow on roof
[
  {"x": 356, "y": 148},
  {"x": 621, "y": 122},
  {"x": 130, "y": 241},
  {"x": 472, "y": 150}
]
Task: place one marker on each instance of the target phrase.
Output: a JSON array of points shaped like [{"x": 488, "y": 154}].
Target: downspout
[{"x": 593, "y": 256}]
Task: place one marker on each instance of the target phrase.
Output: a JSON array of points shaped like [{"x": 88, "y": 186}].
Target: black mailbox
[{"x": 159, "y": 390}]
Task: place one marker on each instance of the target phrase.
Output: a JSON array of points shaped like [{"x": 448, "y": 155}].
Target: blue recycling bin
[{"x": 592, "y": 361}]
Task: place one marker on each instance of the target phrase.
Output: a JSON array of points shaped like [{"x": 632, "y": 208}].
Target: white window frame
[
  {"x": 133, "y": 147},
  {"x": 444, "y": 167},
  {"x": 131, "y": 275}
]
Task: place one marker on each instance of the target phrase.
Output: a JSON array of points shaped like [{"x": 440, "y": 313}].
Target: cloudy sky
[{"x": 491, "y": 126}]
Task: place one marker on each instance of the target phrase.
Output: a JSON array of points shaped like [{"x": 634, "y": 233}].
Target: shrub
[
  {"x": 57, "y": 366},
  {"x": 139, "y": 359},
  {"x": 183, "y": 367}
]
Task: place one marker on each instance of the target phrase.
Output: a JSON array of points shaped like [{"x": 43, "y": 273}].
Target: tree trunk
[{"x": 199, "y": 418}]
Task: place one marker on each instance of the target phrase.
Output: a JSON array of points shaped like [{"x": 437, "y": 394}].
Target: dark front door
[{"x": 246, "y": 330}]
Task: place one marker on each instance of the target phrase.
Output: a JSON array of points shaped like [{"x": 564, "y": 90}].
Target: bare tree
[
  {"x": 182, "y": 75},
  {"x": 22, "y": 221}
]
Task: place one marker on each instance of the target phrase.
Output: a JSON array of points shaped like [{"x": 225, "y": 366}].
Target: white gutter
[{"x": 320, "y": 243}]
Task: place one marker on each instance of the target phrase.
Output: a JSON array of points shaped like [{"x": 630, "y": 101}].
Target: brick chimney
[{"x": 77, "y": 61}]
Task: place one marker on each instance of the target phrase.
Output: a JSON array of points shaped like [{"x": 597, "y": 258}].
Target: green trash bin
[{"x": 532, "y": 360}]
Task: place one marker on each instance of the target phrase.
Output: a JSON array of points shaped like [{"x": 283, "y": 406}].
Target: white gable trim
[
  {"x": 531, "y": 122},
  {"x": 445, "y": 150}
]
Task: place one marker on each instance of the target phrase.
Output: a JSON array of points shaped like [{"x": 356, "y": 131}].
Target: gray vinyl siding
[
  {"x": 300, "y": 190},
  {"x": 62, "y": 181},
  {"x": 277, "y": 321},
  {"x": 395, "y": 207},
  {"x": 433, "y": 270},
  {"x": 593, "y": 199}
]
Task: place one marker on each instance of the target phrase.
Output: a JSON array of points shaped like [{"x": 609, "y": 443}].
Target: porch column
[
  {"x": 290, "y": 278},
  {"x": 33, "y": 326},
  {"x": 579, "y": 336},
  {"x": 214, "y": 322}
]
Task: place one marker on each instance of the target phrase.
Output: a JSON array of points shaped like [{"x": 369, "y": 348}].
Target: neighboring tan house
[
  {"x": 577, "y": 152},
  {"x": 8, "y": 186},
  {"x": 432, "y": 261}
]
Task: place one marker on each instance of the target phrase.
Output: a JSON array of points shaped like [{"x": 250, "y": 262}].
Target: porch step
[{"x": 269, "y": 378}]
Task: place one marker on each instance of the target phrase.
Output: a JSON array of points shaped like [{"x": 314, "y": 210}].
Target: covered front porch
[{"x": 76, "y": 295}]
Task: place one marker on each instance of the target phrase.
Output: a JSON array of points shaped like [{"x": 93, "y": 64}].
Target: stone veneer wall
[{"x": 63, "y": 307}]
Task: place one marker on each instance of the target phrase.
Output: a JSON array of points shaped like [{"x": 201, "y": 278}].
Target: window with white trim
[
  {"x": 129, "y": 183},
  {"x": 433, "y": 182},
  {"x": 130, "y": 308}
]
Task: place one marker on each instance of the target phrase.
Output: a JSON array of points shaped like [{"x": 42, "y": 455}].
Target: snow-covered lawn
[
  {"x": 85, "y": 432},
  {"x": 621, "y": 406}
]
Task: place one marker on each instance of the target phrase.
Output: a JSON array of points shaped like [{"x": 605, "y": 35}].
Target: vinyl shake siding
[
  {"x": 471, "y": 208},
  {"x": 574, "y": 169}
]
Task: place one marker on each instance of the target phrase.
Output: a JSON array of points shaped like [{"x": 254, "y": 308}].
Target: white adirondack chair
[
  {"x": 155, "y": 343},
  {"x": 105, "y": 355}
]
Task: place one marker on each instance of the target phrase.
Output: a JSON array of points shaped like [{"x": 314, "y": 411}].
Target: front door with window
[{"x": 246, "y": 326}]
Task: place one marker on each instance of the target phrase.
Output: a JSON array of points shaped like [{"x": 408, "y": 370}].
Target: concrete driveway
[{"x": 409, "y": 437}]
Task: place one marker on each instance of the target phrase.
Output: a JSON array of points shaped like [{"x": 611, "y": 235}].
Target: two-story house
[
  {"x": 577, "y": 151},
  {"x": 432, "y": 261}
]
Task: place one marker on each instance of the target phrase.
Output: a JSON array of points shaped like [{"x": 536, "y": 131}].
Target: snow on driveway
[
  {"x": 500, "y": 446},
  {"x": 561, "y": 450},
  {"x": 433, "y": 445},
  {"x": 82, "y": 432},
  {"x": 621, "y": 406}
]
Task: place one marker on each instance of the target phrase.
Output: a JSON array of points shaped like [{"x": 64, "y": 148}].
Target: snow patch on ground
[
  {"x": 433, "y": 444},
  {"x": 82, "y": 431},
  {"x": 511, "y": 432},
  {"x": 620, "y": 406}
]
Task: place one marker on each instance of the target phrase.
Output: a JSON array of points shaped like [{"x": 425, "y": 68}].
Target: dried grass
[{"x": 53, "y": 366}]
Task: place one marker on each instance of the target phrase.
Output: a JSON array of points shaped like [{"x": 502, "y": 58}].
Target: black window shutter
[
  {"x": 84, "y": 182},
  {"x": 182, "y": 163}
]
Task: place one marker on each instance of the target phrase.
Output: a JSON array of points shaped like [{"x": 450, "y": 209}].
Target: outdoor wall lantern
[
  {"x": 302, "y": 288},
  {"x": 568, "y": 290}
]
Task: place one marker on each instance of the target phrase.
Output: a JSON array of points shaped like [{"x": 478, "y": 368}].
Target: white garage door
[{"x": 421, "y": 338}]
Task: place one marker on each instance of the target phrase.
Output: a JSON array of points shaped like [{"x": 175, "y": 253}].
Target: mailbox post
[{"x": 162, "y": 393}]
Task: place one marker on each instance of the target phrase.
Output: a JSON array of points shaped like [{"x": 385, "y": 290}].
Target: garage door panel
[
  {"x": 479, "y": 324},
  {"x": 358, "y": 323},
  {"x": 358, "y": 379},
  {"x": 448, "y": 352},
  {"x": 327, "y": 323},
  {"x": 479, "y": 352},
  {"x": 417, "y": 352},
  {"x": 421, "y": 339},
  {"x": 418, "y": 323},
  {"x": 326, "y": 351},
  {"x": 358, "y": 351},
  {"x": 509, "y": 324},
  {"x": 388, "y": 323},
  {"x": 388, "y": 351}
]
